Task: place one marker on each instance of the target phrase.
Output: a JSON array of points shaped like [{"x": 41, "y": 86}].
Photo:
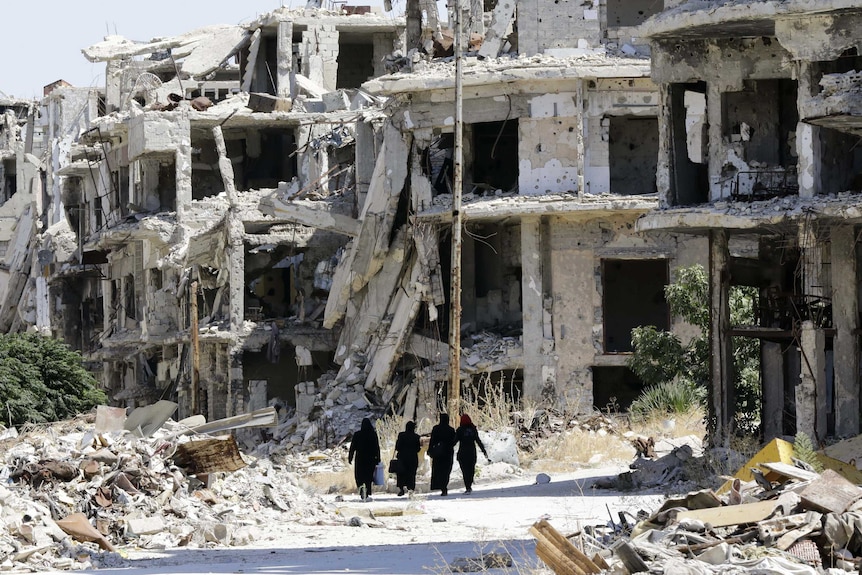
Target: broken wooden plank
[
  {"x": 732, "y": 514},
  {"x": 830, "y": 493},
  {"x": 559, "y": 553},
  {"x": 202, "y": 457},
  {"x": 813, "y": 522}
]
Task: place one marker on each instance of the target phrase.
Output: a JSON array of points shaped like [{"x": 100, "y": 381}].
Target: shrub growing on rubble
[
  {"x": 42, "y": 380},
  {"x": 670, "y": 370}
]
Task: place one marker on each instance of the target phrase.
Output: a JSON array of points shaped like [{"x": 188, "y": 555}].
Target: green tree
[
  {"x": 659, "y": 357},
  {"x": 43, "y": 380}
]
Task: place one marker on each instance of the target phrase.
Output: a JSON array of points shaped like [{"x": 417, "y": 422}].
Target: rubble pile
[
  {"x": 70, "y": 495},
  {"x": 547, "y": 422},
  {"x": 793, "y": 520},
  {"x": 776, "y": 515}
]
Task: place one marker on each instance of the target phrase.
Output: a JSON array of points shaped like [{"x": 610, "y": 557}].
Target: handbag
[
  {"x": 394, "y": 466},
  {"x": 379, "y": 478}
]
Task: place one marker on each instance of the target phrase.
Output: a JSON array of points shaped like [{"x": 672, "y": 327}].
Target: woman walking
[
  {"x": 366, "y": 448},
  {"x": 407, "y": 452},
  {"x": 441, "y": 448},
  {"x": 468, "y": 438}
]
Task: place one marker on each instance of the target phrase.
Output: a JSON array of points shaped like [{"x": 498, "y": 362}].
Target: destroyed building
[
  {"x": 561, "y": 141},
  {"x": 262, "y": 213},
  {"x": 759, "y": 157},
  {"x": 14, "y": 164},
  {"x": 179, "y": 285}
]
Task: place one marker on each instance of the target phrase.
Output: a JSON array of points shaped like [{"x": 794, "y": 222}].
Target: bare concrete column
[
  {"x": 477, "y": 11},
  {"x": 183, "y": 158},
  {"x": 811, "y": 391},
  {"x": 366, "y": 157},
  {"x": 717, "y": 151},
  {"x": 113, "y": 83},
  {"x": 413, "y": 30},
  {"x": 532, "y": 298},
  {"x": 807, "y": 135},
  {"x": 468, "y": 281},
  {"x": 720, "y": 344},
  {"x": 772, "y": 411},
  {"x": 845, "y": 314},
  {"x": 284, "y": 57},
  {"x": 665, "y": 146},
  {"x": 580, "y": 138}
]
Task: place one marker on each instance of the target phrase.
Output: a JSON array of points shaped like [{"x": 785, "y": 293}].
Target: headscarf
[
  {"x": 366, "y": 425},
  {"x": 465, "y": 420},
  {"x": 410, "y": 427},
  {"x": 444, "y": 419}
]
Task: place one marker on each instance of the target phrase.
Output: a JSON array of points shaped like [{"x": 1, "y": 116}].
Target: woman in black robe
[
  {"x": 441, "y": 448},
  {"x": 407, "y": 452},
  {"x": 366, "y": 447},
  {"x": 468, "y": 438}
]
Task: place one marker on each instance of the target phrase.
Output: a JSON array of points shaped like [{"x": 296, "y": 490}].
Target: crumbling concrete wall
[
  {"x": 549, "y": 144},
  {"x": 557, "y": 27},
  {"x": 728, "y": 66},
  {"x": 577, "y": 249},
  {"x": 608, "y": 98}
]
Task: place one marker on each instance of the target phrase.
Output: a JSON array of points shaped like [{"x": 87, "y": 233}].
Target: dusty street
[{"x": 423, "y": 535}]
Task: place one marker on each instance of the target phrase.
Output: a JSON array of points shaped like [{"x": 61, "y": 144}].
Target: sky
[{"x": 41, "y": 40}]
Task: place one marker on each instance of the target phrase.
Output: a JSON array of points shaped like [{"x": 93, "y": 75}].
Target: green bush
[
  {"x": 667, "y": 398},
  {"x": 659, "y": 358},
  {"x": 43, "y": 380}
]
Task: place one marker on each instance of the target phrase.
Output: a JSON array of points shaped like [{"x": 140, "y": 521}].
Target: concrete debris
[
  {"x": 796, "y": 521},
  {"x": 72, "y": 496}
]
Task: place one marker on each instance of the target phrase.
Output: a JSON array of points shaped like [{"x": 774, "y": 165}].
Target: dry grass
[
  {"x": 579, "y": 448},
  {"x": 678, "y": 425}
]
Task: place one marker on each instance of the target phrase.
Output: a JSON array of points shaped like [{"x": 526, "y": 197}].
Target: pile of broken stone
[
  {"x": 71, "y": 495},
  {"x": 786, "y": 519}
]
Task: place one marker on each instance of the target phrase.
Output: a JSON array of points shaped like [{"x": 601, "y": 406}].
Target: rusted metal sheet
[{"x": 209, "y": 456}]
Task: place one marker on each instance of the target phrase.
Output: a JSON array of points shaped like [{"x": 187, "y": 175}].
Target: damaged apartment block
[
  {"x": 207, "y": 194},
  {"x": 759, "y": 159},
  {"x": 261, "y": 215}
]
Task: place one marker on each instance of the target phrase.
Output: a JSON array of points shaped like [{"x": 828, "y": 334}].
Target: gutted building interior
[{"x": 760, "y": 161}]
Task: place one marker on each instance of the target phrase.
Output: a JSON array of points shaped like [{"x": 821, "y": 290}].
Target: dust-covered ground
[{"x": 426, "y": 533}]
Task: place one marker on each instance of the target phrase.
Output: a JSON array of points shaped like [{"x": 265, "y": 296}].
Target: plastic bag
[{"x": 379, "y": 474}]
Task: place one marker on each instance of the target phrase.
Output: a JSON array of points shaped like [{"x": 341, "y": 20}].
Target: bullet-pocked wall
[{"x": 583, "y": 311}]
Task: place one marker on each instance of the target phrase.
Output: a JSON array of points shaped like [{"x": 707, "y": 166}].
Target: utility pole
[{"x": 457, "y": 188}]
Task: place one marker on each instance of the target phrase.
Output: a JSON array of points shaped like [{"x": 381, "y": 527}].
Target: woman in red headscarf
[{"x": 468, "y": 437}]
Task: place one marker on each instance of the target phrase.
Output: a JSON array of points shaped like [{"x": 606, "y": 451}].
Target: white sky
[{"x": 41, "y": 40}]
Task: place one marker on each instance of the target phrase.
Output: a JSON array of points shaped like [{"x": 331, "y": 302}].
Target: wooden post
[{"x": 457, "y": 190}]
